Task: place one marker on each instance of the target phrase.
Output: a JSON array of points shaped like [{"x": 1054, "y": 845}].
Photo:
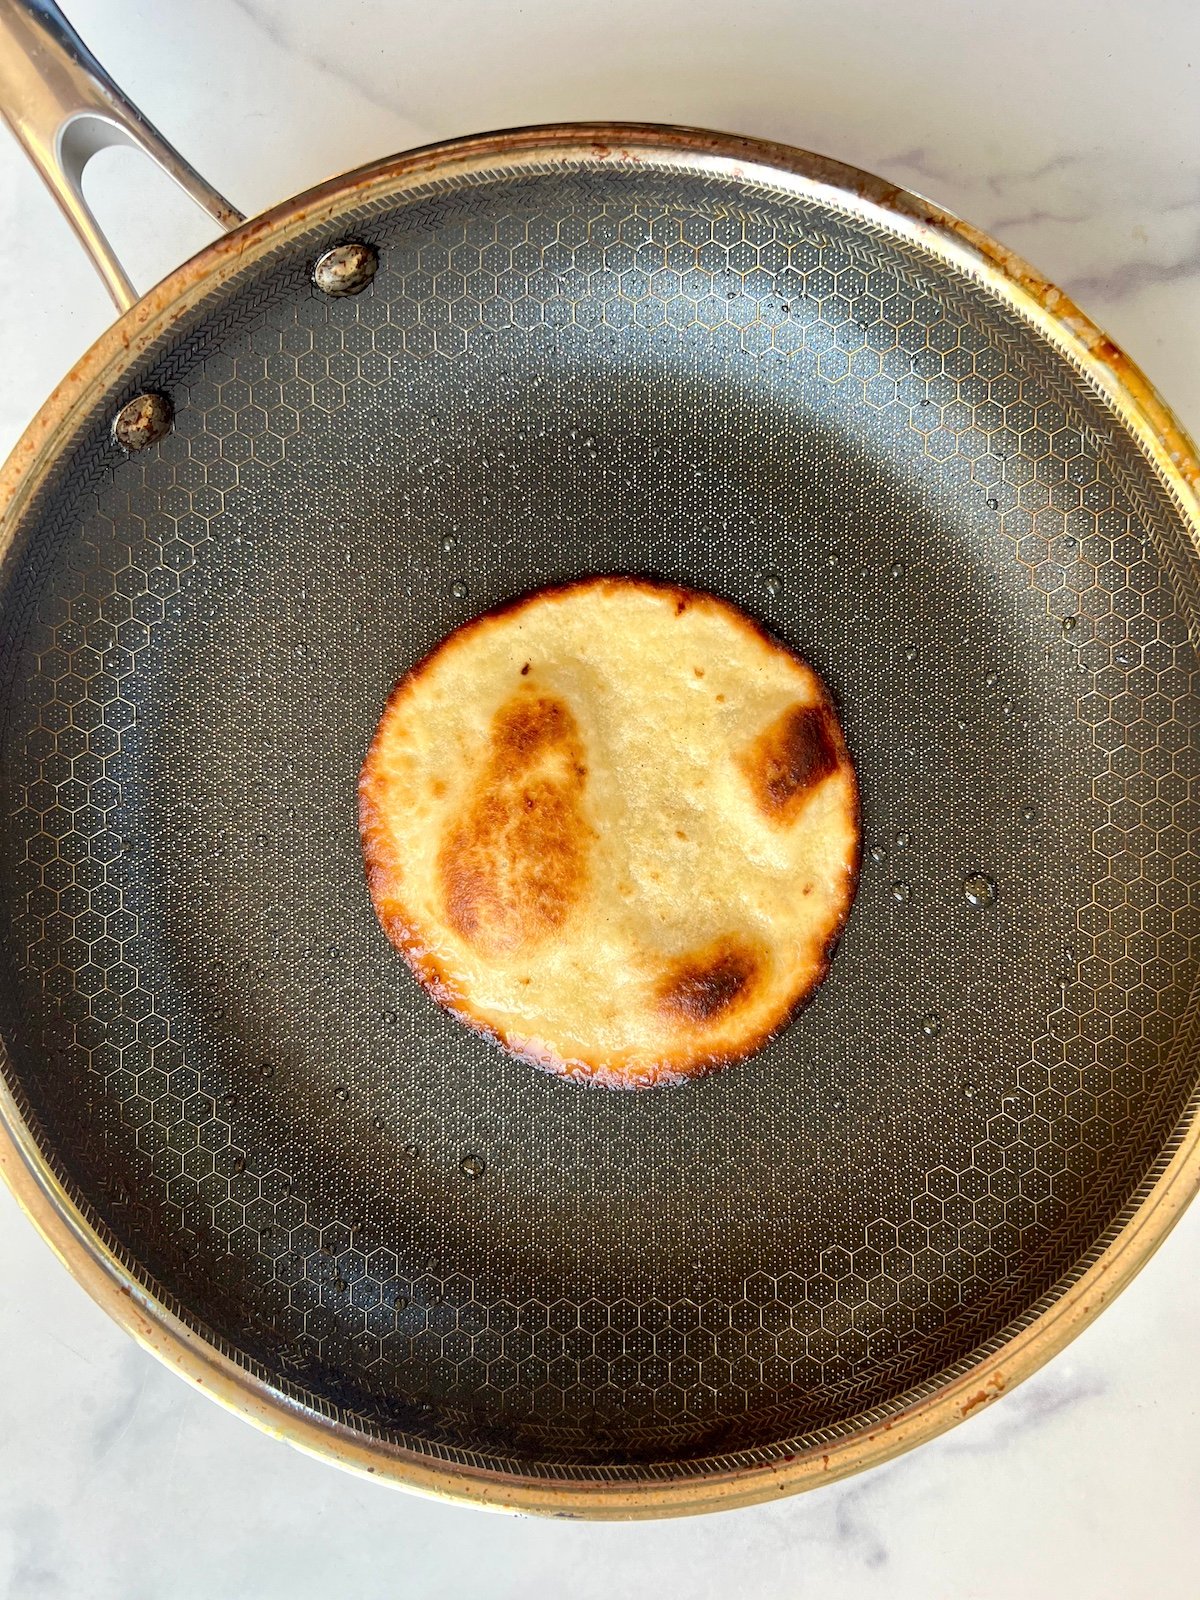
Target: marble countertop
[{"x": 1069, "y": 130}]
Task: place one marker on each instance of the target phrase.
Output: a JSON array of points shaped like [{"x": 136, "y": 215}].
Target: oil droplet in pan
[{"x": 979, "y": 889}]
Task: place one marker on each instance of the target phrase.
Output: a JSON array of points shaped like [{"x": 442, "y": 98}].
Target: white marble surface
[{"x": 1071, "y": 129}]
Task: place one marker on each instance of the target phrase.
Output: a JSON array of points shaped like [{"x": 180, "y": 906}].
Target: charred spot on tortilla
[
  {"x": 513, "y": 860},
  {"x": 789, "y": 758},
  {"x": 703, "y": 986}
]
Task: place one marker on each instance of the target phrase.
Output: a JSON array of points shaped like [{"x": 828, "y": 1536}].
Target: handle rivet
[
  {"x": 346, "y": 269},
  {"x": 144, "y": 421}
]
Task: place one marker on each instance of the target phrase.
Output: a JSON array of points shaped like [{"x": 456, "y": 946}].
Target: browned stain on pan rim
[
  {"x": 993, "y": 1387},
  {"x": 1142, "y": 412}
]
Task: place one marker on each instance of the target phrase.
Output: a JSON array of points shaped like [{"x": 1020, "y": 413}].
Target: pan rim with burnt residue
[{"x": 28, "y": 1169}]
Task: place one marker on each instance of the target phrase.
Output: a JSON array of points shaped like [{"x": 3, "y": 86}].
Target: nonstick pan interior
[{"x": 585, "y": 366}]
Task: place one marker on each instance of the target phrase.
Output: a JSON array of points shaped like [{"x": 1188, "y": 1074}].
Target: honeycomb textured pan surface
[{"x": 755, "y": 386}]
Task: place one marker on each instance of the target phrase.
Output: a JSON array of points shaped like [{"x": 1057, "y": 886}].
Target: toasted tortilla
[{"x": 613, "y": 826}]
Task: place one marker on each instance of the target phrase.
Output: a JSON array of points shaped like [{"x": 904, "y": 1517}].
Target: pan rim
[{"x": 1142, "y": 412}]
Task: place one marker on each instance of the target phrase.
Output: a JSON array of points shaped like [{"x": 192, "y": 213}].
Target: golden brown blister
[
  {"x": 515, "y": 861},
  {"x": 613, "y": 826}
]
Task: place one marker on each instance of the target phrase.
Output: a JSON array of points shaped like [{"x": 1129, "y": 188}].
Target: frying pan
[{"x": 407, "y": 395}]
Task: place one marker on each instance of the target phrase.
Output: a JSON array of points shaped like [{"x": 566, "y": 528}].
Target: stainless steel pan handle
[{"x": 63, "y": 107}]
